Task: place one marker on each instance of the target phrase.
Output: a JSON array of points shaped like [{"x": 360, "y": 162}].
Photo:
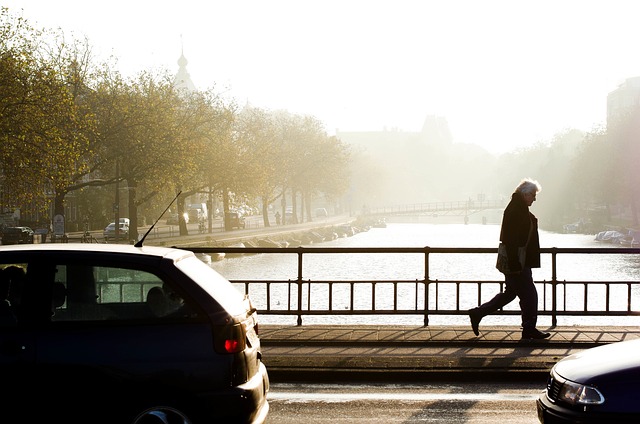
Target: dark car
[
  {"x": 234, "y": 220},
  {"x": 17, "y": 235},
  {"x": 103, "y": 333},
  {"x": 598, "y": 385}
]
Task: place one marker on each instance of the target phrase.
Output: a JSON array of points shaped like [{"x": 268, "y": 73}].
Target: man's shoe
[
  {"x": 475, "y": 318},
  {"x": 535, "y": 334}
]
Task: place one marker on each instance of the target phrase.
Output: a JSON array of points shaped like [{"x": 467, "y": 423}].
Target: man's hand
[{"x": 515, "y": 267}]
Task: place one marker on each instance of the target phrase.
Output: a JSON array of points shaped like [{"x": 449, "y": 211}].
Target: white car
[{"x": 109, "y": 231}]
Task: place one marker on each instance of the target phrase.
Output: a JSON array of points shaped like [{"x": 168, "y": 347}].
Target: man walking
[{"x": 519, "y": 228}]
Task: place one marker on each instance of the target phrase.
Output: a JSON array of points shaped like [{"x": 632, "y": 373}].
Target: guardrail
[
  {"x": 437, "y": 207},
  {"x": 300, "y": 297}
]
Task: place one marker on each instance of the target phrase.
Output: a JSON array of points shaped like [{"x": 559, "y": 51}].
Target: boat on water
[
  {"x": 630, "y": 239},
  {"x": 217, "y": 256},
  {"x": 381, "y": 223},
  {"x": 580, "y": 226},
  {"x": 207, "y": 258}
]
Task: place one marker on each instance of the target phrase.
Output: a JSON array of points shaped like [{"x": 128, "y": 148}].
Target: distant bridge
[{"x": 460, "y": 208}]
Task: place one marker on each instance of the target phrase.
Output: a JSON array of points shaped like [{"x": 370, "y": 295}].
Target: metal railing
[
  {"x": 299, "y": 297},
  {"x": 464, "y": 206}
]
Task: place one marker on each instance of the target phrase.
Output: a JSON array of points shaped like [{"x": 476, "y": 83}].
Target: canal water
[{"x": 467, "y": 267}]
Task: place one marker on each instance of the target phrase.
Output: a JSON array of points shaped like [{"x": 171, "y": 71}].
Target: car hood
[{"x": 603, "y": 363}]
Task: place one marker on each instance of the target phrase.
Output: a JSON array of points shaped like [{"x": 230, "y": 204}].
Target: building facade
[{"x": 623, "y": 100}]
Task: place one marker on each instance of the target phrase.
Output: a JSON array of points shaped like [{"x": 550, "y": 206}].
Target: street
[
  {"x": 439, "y": 402},
  {"x": 253, "y": 223},
  {"x": 163, "y": 230}
]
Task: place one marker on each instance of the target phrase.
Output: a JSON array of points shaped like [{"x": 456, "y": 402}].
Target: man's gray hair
[{"x": 528, "y": 186}]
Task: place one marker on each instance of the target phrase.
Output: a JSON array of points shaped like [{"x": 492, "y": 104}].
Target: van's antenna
[{"x": 139, "y": 243}]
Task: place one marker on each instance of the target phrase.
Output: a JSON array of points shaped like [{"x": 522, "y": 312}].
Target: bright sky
[{"x": 504, "y": 73}]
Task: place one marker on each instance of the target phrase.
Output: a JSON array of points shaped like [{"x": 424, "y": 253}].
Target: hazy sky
[{"x": 504, "y": 73}]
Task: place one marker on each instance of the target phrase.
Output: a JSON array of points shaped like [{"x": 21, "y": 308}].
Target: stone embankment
[
  {"x": 312, "y": 236},
  {"x": 291, "y": 235}
]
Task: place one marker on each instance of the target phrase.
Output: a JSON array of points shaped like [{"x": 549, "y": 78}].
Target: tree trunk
[
  {"x": 265, "y": 211},
  {"x": 294, "y": 206},
  {"x": 133, "y": 209},
  {"x": 184, "y": 230},
  {"x": 634, "y": 210},
  {"x": 307, "y": 204},
  {"x": 283, "y": 203},
  {"x": 225, "y": 209},
  {"x": 58, "y": 202}
]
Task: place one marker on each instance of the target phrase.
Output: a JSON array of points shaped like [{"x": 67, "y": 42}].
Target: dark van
[{"x": 17, "y": 235}]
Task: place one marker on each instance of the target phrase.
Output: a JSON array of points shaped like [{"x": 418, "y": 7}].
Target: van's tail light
[{"x": 230, "y": 339}]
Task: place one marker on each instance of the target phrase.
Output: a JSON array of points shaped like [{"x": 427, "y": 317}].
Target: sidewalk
[{"x": 387, "y": 353}]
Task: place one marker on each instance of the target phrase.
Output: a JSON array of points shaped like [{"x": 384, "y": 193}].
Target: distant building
[
  {"x": 623, "y": 99},
  {"x": 435, "y": 132},
  {"x": 402, "y": 167}
]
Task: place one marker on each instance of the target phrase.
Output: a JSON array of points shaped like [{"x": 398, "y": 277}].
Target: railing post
[
  {"x": 300, "y": 286},
  {"x": 426, "y": 286},
  {"x": 554, "y": 288}
]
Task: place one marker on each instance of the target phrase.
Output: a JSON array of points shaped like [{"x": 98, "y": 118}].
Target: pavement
[{"x": 396, "y": 353}]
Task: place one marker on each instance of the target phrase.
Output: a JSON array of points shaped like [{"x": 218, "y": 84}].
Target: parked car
[
  {"x": 123, "y": 334},
  {"x": 109, "y": 231},
  {"x": 234, "y": 220},
  {"x": 202, "y": 209},
  {"x": 173, "y": 219},
  {"x": 17, "y": 235},
  {"x": 598, "y": 385},
  {"x": 321, "y": 213},
  {"x": 288, "y": 215},
  {"x": 196, "y": 215}
]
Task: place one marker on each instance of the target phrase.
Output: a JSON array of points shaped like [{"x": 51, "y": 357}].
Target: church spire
[{"x": 182, "y": 79}]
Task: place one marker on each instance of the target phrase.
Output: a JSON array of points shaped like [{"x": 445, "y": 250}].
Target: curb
[
  {"x": 375, "y": 362},
  {"x": 407, "y": 368}
]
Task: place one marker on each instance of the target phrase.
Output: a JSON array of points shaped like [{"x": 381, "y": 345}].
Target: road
[
  {"x": 162, "y": 230},
  {"x": 513, "y": 403},
  {"x": 254, "y": 226}
]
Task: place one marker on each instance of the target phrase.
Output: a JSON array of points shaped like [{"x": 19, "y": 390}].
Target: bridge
[{"x": 455, "y": 208}]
